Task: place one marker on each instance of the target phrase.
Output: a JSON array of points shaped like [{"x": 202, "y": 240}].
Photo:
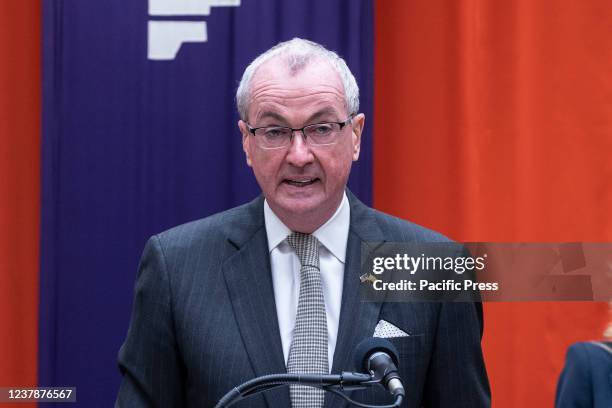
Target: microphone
[{"x": 379, "y": 357}]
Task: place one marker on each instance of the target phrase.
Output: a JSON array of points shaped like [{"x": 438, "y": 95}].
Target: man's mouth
[{"x": 300, "y": 183}]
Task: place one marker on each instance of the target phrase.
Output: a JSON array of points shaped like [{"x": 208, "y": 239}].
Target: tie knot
[{"x": 306, "y": 247}]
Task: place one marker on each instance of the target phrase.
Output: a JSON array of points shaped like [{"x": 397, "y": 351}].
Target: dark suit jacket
[
  {"x": 586, "y": 380},
  {"x": 204, "y": 320}
]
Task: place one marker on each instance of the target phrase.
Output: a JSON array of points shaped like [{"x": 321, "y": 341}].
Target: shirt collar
[{"x": 333, "y": 235}]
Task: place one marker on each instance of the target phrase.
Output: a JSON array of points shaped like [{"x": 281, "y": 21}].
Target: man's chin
[{"x": 300, "y": 206}]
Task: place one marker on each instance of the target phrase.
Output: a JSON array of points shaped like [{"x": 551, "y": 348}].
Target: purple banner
[{"x": 139, "y": 134}]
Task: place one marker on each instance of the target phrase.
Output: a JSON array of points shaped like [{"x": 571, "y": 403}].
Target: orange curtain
[
  {"x": 20, "y": 110},
  {"x": 493, "y": 122}
]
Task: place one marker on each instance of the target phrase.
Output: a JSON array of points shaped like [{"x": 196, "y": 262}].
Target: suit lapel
[
  {"x": 249, "y": 281},
  {"x": 357, "y": 319}
]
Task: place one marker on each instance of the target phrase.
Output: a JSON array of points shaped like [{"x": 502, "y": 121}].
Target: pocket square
[{"x": 386, "y": 330}]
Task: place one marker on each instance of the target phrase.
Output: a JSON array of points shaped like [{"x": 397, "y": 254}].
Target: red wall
[
  {"x": 20, "y": 110},
  {"x": 493, "y": 122}
]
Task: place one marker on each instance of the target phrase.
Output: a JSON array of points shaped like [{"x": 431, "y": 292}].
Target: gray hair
[{"x": 298, "y": 54}]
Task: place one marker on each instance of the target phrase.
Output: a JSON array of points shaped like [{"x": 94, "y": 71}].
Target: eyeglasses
[{"x": 317, "y": 134}]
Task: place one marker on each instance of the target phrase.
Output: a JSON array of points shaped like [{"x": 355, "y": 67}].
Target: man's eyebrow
[
  {"x": 272, "y": 115},
  {"x": 322, "y": 114}
]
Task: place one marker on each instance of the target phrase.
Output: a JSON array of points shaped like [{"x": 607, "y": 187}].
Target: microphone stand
[{"x": 335, "y": 383}]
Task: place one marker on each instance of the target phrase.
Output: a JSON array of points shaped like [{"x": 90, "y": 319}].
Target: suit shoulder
[
  {"x": 214, "y": 228},
  {"x": 400, "y": 230},
  {"x": 577, "y": 351},
  {"x": 588, "y": 349}
]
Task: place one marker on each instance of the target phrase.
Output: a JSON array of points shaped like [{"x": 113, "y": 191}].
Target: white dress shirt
[{"x": 333, "y": 237}]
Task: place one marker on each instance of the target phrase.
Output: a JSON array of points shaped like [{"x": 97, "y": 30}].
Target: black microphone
[{"x": 379, "y": 357}]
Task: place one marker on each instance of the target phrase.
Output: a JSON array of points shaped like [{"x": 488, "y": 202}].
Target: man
[
  {"x": 586, "y": 379},
  {"x": 272, "y": 286}
]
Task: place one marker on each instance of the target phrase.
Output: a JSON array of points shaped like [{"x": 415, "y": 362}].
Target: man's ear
[
  {"x": 358, "y": 124},
  {"x": 246, "y": 140}
]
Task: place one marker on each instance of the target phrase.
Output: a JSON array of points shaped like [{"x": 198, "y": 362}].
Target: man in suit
[
  {"x": 273, "y": 286},
  {"x": 586, "y": 379}
]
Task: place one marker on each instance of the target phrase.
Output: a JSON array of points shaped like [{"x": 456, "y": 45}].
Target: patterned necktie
[{"x": 308, "y": 351}]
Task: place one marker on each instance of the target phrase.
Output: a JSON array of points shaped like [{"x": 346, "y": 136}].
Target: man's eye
[
  {"x": 275, "y": 133},
  {"x": 322, "y": 129}
]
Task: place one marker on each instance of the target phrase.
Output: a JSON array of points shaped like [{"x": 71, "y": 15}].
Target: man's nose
[{"x": 300, "y": 152}]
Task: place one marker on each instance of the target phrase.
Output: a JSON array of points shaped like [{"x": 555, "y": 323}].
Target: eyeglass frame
[{"x": 342, "y": 124}]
